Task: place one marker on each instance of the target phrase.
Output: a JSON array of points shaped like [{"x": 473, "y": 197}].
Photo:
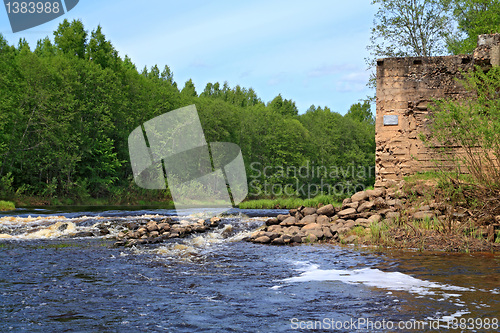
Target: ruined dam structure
[{"x": 405, "y": 89}]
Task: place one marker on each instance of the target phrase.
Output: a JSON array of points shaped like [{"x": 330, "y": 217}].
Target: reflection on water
[{"x": 216, "y": 282}]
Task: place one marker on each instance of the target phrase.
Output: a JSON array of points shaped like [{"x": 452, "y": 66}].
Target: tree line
[{"x": 68, "y": 106}]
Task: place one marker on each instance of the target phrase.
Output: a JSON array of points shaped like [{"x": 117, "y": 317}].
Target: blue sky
[{"x": 309, "y": 51}]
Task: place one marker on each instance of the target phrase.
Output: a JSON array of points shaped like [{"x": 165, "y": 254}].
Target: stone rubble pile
[
  {"x": 329, "y": 223},
  {"x": 307, "y": 225},
  {"x": 151, "y": 232}
]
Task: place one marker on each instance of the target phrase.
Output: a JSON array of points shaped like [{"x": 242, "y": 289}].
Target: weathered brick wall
[{"x": 405, "y": 88}]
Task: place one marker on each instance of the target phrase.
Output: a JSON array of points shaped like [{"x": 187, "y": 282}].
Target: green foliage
[
  {"x": 283, "y": 106},
  {"x": 71, "y": 38},
  {"x": 409, "y": 28},
  {"x": 404, "y": 28},
  {"x": 474, "y": 17},
  {"x": 361, "y": 113},
  {"x": 68, "y": 107},
  {"x": 473, "y": 124},
  {"x": 6, "y": 205}
]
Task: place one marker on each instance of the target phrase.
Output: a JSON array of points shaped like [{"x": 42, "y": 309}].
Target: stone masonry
[{"x": 405, "y": 89}]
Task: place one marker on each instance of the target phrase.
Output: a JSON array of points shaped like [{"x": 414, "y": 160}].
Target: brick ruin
[{"x": 405, "y": 89}]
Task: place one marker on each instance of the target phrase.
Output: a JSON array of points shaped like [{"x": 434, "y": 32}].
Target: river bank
[{"x": 412, "y": 215}]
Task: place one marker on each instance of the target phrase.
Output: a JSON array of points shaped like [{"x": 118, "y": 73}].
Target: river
[{"x": 215, "y": 282}]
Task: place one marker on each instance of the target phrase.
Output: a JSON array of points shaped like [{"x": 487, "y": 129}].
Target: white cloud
[{"x": 353, "y": 82}]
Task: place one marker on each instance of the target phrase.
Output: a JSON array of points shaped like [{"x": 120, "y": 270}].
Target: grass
[
  {"x": 428, "y": 224},
  {"x": 288, "y": 203},
  {"x": 7, "y": 205}
]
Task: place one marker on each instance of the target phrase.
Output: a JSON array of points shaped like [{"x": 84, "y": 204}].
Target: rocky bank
[{"x": 394, "y": 206}]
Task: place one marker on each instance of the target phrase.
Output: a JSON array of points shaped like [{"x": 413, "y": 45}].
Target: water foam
[
  {"x": 394, "y": 281},
  {"x": 52, "y": 226}
]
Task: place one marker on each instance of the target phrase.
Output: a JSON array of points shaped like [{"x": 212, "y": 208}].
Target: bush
[
  {"x": 7, "y": 205},
  {"x": 473, "y": 125}
]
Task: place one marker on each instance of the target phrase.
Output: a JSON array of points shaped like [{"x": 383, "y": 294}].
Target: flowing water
[{"x": 51, "y": 281}]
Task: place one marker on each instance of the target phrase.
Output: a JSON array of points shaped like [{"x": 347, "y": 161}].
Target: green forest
[{"x": 68, "y": 105}]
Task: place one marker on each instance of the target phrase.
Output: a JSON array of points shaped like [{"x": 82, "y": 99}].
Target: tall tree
[
  {"x": 101, "y": 51},
  {"x": 361, "y": 112},
  {"x": 474, "y": 17},
  {"x": 404, "y": 28},
  {"x": 284, "y": 106},
  {"x": 71, "y": 38},
  {"x": 189, "y": 89}
]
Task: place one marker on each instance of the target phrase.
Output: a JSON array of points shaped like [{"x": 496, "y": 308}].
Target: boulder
[
  {"x": 378, "y": 192},
  {"x": 380, "y": 203},
  {"x": 334, "y": 228},
  {"x": 346, "y": 202},
  {"x": 375, "y": 218},
  {"x": 272, "y": 221},
  {"x": 272, "y": 235},
  {"x": 311, "y": 226},
  {"x": 323, "y": 219},
  {"x": 141, "y": 231},
  {"x": 262, "y": 240},
  {"x": 297, "y": 239},
  {"x": 278, "y": 241},
  {"x": 349, "y": 224},
  {"x": 275, "y": 228},
  {"x": 316, "y": 232},
  {"x": 308, "y": 211},
  {"x": 327, "y": 232},
  {"x": 292, "y": 212},
  {"x": 132, "y": 225},
  {"x": 347, "y": 211},
  {"x": 293, "y": 230},
  {"x": 363, "y": 222},
  {"x": 257, "y": 234},
  {"x": 282, "y": 217},
  {"x": 164, "y": 226},
  {"x": 214, "y": 221},
  {"x": 152, "y": 226},
  {"x": 308, "y": 219},
  {"x": 393, "y": 216},
  {"x": 198, "y": 228},
  {"x": 288, "y": 221},
  {"x": 354, "y": 205},
  {"x": 386, "y": 211},
  {"x": 154, "y": 234},
  {"x": 343, "y": 230},
  {"x": 365, "y": 206},
  {"x": 327, "y": 210},
  {"x": 361, "y": 195},
  {"x": 396, "y": 203},
  {"x": 310, "y": 238}
]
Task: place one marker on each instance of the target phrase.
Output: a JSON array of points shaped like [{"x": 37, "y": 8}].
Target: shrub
[{"x": 7, "y": 205}]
